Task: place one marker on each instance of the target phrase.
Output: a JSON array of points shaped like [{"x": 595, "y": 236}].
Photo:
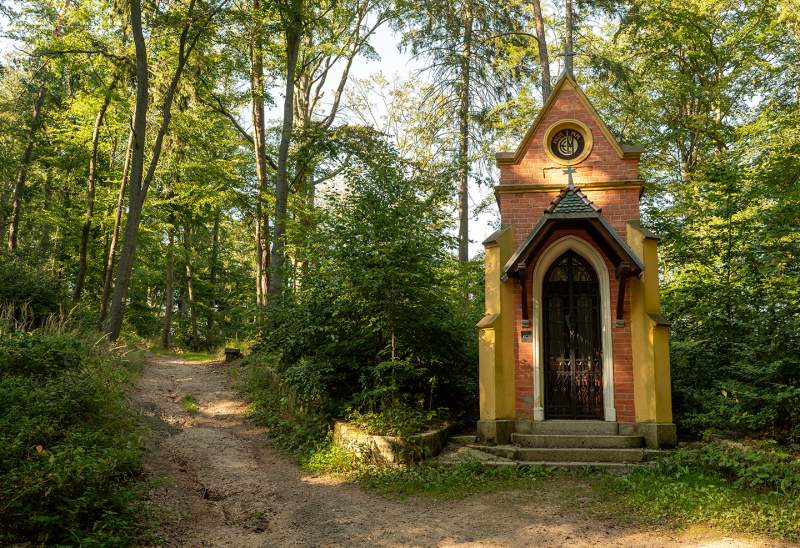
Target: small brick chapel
[{"x": 572, "y": 330}]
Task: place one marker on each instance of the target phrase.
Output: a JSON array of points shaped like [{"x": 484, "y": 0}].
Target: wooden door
[{"x": 573, "y": 353}]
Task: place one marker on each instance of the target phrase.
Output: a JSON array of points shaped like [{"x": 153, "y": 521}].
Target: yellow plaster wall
[
  {"x": 650, "y": 333},
  {"x": 496, "y": 332}
]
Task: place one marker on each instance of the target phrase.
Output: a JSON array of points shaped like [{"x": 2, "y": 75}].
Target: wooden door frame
[{"x": 593, "y": 257}]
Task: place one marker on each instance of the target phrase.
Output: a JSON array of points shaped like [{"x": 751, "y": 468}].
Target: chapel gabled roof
[{"x": 567, "y": 81}]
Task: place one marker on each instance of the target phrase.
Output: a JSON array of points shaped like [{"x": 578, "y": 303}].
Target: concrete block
[
  {"x": 497, "y": 431},
  {"x": 579, "y": 455},
  {"x": 658, "y": 435}
]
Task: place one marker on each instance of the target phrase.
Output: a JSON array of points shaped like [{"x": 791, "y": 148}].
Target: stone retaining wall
[{"x": 389, "y": 449}]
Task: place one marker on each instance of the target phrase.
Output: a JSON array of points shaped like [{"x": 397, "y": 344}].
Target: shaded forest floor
[{"x": 216, "y": 483}]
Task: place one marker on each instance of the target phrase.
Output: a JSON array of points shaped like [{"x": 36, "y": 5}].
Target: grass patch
[
  {"x": 190, "y": 405},
  {"x": 747, "y": 489},
  {"x": 441, "y": 481},
  {"x": 451, "y": 481}
]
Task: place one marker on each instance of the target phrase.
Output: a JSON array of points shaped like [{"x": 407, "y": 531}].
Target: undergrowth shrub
[
  {"x": 749, "y": 488},
  {"x": 384, "y": 321},
  {"x": 25, "y": 354},
  {"x": 69, "y": 445},
  {"x": 754, "y": 392},
  {"x": 294, "y": 425},
  {"x": 28, "y": 293},
  {"x": 764, "y": 467}
]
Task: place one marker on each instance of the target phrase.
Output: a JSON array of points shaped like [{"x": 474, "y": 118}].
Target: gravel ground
[{"x": 218, "y": 484}]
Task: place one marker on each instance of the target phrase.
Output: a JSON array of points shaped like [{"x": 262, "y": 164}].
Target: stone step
[
  {"x": 463, "y": 439},
  {"x": 565, "y": 441},
  {"x": 580, "y": 427},
  {"x": 561, "y": 454}
]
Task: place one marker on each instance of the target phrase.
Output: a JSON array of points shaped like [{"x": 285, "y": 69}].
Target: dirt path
[{"x": 221, "y": 486}]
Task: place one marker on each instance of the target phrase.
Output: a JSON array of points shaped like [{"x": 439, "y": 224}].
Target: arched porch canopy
[{"x": 571, "y": 209}]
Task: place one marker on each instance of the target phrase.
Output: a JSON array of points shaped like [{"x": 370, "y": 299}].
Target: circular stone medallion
[{"x": 567, "y": 144}]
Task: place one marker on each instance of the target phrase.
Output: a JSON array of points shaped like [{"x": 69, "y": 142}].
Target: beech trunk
[
  {"x": 111, "y": 255},
  {"x": 140, "y": 181},
  {"x": 90, "y": 193},
  {"x": 260, "y": 149},
  {"x": 22, "y": 175},
  {"x": 187, "y": 250},
  {"x": 277, "y": 280}
]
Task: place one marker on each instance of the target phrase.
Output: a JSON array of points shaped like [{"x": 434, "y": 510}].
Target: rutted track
[{"x": 219, "y": 485}]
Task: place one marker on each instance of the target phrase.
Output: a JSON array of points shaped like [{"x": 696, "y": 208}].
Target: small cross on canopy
[{"x": 568, "y": 172}]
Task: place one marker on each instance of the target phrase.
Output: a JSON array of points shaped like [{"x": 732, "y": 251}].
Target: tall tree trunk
[
  {"x": 90, "y": 192},
  {"x": 187, "y": 249},
  {"x": 137, "y": 173},
  {"x": 24, "y": 164},
  {"x": 544, "y": 57},
  {"x": 568, "y": 39},
  {"x": 463, "y": 136},
  {"x": 47, "y": 190},
  {"x": 169, "y": 290},
  {"x": 140, "y": 181},
  {"x": 213, "y": 271},
  {"x": 277, "y": 280},
  {"x": 111, "y": 256},
  {"x": 259, "y": 144}
]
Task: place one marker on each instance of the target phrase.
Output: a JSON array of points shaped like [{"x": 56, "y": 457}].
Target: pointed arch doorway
[{"x": 572, "y": 337}]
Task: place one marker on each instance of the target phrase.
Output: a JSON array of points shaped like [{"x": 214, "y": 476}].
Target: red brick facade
[{"x": 609, "y": 176}]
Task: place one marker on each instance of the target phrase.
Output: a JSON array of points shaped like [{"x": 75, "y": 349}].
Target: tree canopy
[{"x": 203, "y": 171}]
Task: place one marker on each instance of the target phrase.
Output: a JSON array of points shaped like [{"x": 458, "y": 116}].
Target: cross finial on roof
[{"x": 568, "y": 172}]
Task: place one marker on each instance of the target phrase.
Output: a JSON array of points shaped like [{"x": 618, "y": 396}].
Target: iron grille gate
[{"x": 573, "y": 356}]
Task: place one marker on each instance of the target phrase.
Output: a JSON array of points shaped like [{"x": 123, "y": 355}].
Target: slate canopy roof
[{"x": 572, "y": 200}]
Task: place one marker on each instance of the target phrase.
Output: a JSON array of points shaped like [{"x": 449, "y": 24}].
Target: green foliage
[
  {"x": 40, "y": 355},
  {"x": 383, "y": 320},
  {"x": 709, "y": 90},
  {"x": 732, "y": 294},
  {"x": 69, "y": 446},
  {"x": 752, "y": 489},
  {"x": 294, "y": 427},
  {"x": 28, "y": 294}
]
